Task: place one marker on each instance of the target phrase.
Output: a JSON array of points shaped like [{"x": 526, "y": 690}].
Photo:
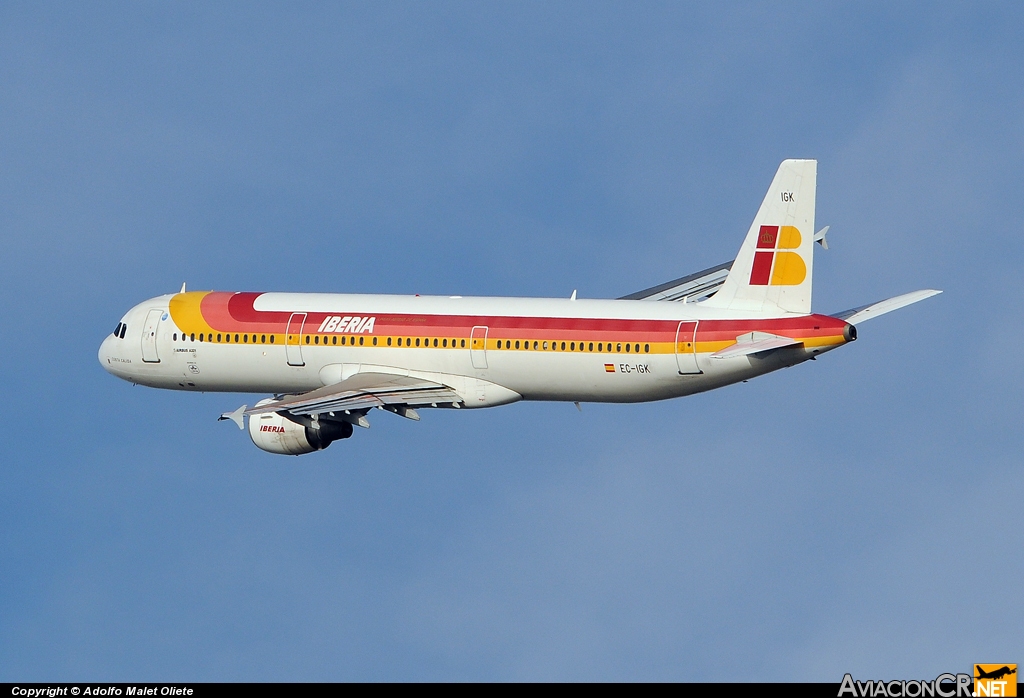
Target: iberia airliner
[{"x": 328, "y": 359}]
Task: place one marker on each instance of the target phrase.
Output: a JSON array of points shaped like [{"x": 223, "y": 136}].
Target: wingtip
[{"x": 238, "y": 416}]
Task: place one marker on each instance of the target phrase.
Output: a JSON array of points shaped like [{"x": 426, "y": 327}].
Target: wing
[
  {"x": 694, "y": 287},
  {"x": 866, "y": 312},
  {"x": 362, "y": 392}
]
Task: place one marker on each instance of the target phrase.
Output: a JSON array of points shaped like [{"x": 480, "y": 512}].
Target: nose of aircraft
[{"x": 104, "y": 354}]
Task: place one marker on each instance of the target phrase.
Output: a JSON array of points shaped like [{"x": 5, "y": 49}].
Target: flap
[{"x": 363, "y": 391}]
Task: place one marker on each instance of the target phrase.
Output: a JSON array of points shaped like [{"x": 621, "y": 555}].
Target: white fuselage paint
[{"x": 531, "y": 375}]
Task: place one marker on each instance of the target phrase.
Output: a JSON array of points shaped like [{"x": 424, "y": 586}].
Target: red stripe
[{"x": 234, "y": 312}]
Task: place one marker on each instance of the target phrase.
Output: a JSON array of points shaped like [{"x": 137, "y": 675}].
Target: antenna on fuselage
[{"x": 182, "y": 287}]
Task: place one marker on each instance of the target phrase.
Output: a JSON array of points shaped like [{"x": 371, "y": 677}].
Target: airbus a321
[{"x": 327, "y": 360}]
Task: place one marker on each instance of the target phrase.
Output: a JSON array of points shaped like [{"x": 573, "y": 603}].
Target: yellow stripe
[{"x": 186, "y": 313}]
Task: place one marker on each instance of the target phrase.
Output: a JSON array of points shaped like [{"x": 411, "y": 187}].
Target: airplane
[
  {"x": 996, "y": 674},
  {"x": 327, "y": 360}
]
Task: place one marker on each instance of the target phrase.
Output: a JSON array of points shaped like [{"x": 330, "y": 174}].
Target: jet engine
[{"x": 278, "y": 434}]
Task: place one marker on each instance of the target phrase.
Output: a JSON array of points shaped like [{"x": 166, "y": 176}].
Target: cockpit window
[
  {"x": 117, "y": 330},
  {"x": 124, "y": 327}
]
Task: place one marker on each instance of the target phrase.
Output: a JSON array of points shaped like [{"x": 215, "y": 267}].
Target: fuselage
[{"x": 526, "y": 348}]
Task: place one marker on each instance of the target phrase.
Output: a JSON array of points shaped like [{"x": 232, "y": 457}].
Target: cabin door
[
  {"x": 478, "y": 347},
  {"x": 149, "y": 330},
  {"x": 686, "y": 347},
  {"x": 293, "y": 339}
]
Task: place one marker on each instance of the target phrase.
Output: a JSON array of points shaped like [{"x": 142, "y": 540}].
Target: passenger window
[
  {"x": 600, "y": 346},
  {"x": 627, "y": 347},
  {"x": 545, "y": 345},
  {"x": 572, "y": 346},
  {"x": 334, "y": 339},
  {"x": 361, "y": 341},
  {"x": 389, "y": 341},
  {"x": 263, "y": 339},
  {"x": 307, "y": 339},
  {"x": 245, "y": 338},
  {"x": 444, "y": 342},
  {"x": 462, "y": 343},
  {"x": 175, "y": 335},
  {"x": 618, "y": 347},
  {"x": 647, "y": 348},
  {"x": 236, "y": 339},
  {"x": 417, "y": 341},
  {"x": 563, "y": 346},
  {"x": 374, "y": 341},
  {"x": 271, "y": 339},
  {"x": 636, "y": 347},
  {"x": 192, "y": 337},
  {"x": 316, "y": 340}
]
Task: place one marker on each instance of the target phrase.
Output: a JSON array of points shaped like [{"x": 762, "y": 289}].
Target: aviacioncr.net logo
[{"x": 943, "y": 686}]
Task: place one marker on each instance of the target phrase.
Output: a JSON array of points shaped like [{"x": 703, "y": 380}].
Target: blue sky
[{"x": 854, "y": 514}]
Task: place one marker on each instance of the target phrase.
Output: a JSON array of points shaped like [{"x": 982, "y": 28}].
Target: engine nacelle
[{"x": 277, "y": 434}]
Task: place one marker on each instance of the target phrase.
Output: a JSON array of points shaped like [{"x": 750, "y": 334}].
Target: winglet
[
  {"x": 236, "y": 416},
  {"x": 819, "y": 237}
]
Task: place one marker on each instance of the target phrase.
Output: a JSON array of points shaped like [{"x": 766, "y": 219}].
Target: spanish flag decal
[{"x": 609, "y": 368}]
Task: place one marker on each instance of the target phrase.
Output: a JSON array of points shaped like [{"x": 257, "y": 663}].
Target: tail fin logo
[{"x": 774, "y": 263}]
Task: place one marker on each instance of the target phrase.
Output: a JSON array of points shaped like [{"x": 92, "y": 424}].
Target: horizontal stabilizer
[
  {"x": 754, "y": 343},
  {"x": 866, "y": 312}
]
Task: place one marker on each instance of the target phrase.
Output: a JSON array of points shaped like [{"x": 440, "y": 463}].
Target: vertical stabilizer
[{"x": 772, "y": 271}]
